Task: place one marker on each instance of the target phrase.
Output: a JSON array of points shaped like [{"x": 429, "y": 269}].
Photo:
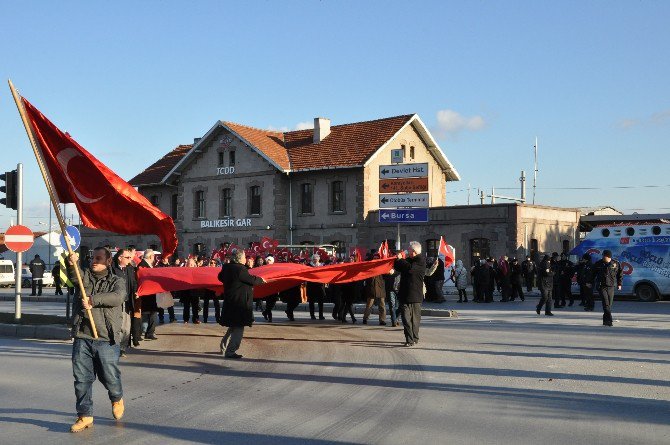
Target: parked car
[
  {"x": 27, "y": 278},
  {"x": 6, "y": 273}
]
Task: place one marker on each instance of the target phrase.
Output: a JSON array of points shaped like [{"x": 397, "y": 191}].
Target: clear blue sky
[{"x": 131, "y": 80}]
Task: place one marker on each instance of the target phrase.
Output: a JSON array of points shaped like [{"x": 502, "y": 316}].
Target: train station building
[{"x": 322, "y": 186}]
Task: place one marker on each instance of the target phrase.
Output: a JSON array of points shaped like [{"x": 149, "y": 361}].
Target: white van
[{"x": 7, "y": 277}]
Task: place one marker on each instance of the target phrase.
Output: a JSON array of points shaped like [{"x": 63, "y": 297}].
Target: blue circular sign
[{"x": 75, "y": 238}]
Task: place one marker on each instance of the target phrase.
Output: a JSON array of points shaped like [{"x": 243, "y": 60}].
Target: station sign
[
  {"x": 403, "y": 185},
  {"x": 397, "y": 155},
  {"x": 404, "y": 200},
  {"x": 400, "y": 216},
  {"x": 419, "y": 170}
]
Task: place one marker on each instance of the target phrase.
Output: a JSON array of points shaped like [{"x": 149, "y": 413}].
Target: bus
[{"x": 643, "y": 250}]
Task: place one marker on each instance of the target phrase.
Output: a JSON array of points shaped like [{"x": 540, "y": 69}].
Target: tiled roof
[
  {"x": 347, "y": 145},
  {"x": 271, "y": 143},
  {"x": 157, "y": 171}
]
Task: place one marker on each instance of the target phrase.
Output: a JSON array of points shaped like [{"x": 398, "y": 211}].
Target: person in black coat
[
  {"x": 148, "y": 302},
  {"x": 529, "y": 270},
  {"x": 410, "y": 293},
  {"x": 608, "y": 276},
  {"x": 238, "y": 297},
  {"x": 37, "y": 268},
  {"x": 516, "y": 280},
  {"x": 585, "y": 280},
  {"x": 547, "y": 270},
  {"x": 129, "y": 331},
  {"x": 316, "y": 292}
]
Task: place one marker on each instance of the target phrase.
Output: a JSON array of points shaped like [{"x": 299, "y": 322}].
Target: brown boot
[
  {"x": 81, "y": 424},
  {"x": 118, "y": 409}
]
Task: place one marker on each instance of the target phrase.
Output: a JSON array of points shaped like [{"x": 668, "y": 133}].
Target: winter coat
[
  {"x": 128, "y": 274},
  {"x": 107, "y": 295},
  {"x": 375, "y": 288},
  {"x": 460, "y": 276},
  {"x": 608, "y": 274},
  {"x": 412, "y": 272},
  {"x": 238, "y": 295},
  {"x": 148, "y": 302},
  {"x": 37, "y": 268},
  {"x": 547, "y": 272}
]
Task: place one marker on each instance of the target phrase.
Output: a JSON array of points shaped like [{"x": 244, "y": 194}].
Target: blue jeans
[
  {"x": 91, "y": 359},
  {"x": 392, "y": 298}
]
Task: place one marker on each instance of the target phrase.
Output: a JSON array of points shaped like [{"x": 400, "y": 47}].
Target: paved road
[{"x": 497, "y": 374}]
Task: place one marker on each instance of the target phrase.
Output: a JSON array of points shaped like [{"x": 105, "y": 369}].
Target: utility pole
[
  {"x": 19, "y": 255},
  {"x": 535, "y": 171}
]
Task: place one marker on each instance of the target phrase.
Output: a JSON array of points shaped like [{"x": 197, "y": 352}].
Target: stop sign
[{"x": 19, "y": 238}]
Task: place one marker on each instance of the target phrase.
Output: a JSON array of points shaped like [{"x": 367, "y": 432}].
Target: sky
[{"x": 132, "y": 80}]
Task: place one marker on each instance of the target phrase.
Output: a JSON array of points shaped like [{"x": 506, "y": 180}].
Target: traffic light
[{"x": 9, "y": 189}]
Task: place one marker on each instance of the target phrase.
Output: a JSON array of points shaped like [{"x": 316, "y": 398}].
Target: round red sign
[{"x": 19, "y": 238}]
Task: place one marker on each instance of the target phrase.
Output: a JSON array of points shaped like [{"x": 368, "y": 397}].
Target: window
[
  {"x": 606, "y": 233},
  {"x": 153, "y": 247},
  {"x": 480, "y": 249},
  {"x": 220, "y": 159},
  {"x": 255, "y": 200},
  {"x": 199, "y": 204},
  {"x": 566, "y": 246},
  {"x": 231, "y": 158},
  {"x": 198, "y": 248},
  {"x": 154, "y": 200},
  {"x": 306, "y": 196},
  {"x": 173, "y": 206},
  {"x": 431, "y": 247},
  {"x": 656, "y": 230},
  {"x": 337, "y": 196},
  {"x": 225, "y": 203},
  {"x": 630, "y": 231},
  {"x": 411, "y": 153}
]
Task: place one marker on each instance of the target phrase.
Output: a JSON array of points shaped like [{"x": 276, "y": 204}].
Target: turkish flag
[
  {"x": 446, "y": 252},
  {"x": 103, "y": 199}
]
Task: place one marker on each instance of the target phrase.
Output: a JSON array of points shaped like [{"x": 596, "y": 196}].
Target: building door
[
  {"x": 534, "y": 254},
  {"x": 480, "y": 248}
]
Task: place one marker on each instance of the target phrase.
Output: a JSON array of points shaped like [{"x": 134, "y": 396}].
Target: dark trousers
[
  {"x": 337, "y": 304},
  {"x": 556, "y": 294},
  {"x": 566, "y": 292},
  {"x": 191, "y": 308},
  {"x": 607, "y": 296},
  {"x": 37, "y": 284},
  {"x": 489, "y": 293},
  {"x": 437, "y": 289},
  {"x": 517, "y": 291},
  {"x": 347, "y": 308},
  {"x": 161, "y": 314},
  {"x": 316, "y": 299},
  {"x": 545, "y": 298},
  {"x": 217, "y": 309},
  {"x": 586, "y": 294},
  {"x": 529, "y": 283},
  {"x": 411, "y": 320},
  {"x": 506, "y": 288},
  {"x": 91, "y": 359},
  {"x": 136, "y": 330},
  {"x": 463, "y": 295},
  {"x": 151, "y": 318},
  {"x": 290, "y": 307},
  {"x": 269, "y": 305},
  {"x": 59, "y": 289}
]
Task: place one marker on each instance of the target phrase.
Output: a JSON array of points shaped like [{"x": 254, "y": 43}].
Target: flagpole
[{"x": 52, "y": 196}]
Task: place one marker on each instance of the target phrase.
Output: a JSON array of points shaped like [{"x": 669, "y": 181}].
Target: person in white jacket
[{"x": 459, "y": 275}]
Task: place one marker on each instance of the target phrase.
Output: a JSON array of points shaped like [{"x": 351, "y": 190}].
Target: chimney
[
  {"x": 196, "y": 140},
  {"x": 321, "y": 129}
]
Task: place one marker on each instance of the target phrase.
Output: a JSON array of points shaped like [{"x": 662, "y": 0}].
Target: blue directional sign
[
  {"x": 75, "y": 238},
  {"x": 396, "y": 216}
]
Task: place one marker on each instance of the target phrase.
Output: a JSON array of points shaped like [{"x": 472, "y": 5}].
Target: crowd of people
[{"x": 123, "y": 319}]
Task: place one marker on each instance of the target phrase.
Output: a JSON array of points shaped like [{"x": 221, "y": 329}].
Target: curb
[{"x": 42, "y": 332}]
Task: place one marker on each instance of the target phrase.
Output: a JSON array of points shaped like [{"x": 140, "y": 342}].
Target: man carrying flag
[{"x": 97, "y": 357}]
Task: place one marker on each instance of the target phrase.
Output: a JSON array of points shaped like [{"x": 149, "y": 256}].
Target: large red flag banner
[
  {"x": 279, "y": 276},
  {"x": 103, "y": 199}
]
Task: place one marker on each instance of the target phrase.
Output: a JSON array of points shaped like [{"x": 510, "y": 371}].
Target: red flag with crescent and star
[
  {"x": 446, "y": 252},
  {"x": 103, "y": 199}
]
